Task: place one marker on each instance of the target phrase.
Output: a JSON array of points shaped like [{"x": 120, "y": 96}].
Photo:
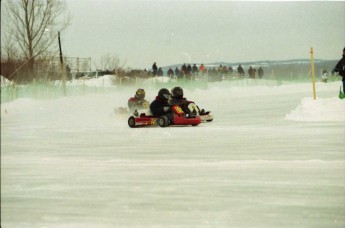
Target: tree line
[{"x": 29, "y": 36}]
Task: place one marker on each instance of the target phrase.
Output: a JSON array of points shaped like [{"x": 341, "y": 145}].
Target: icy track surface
[{"x": 272, "y": 157}]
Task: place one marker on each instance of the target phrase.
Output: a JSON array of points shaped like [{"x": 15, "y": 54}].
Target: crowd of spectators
[{"x": 188, "y": 71}]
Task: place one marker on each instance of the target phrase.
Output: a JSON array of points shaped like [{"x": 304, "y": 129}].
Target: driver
[{"x": 138, "y": 101}]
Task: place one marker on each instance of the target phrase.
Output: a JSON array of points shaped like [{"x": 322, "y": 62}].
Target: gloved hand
[{"x": 166, "y": 108}]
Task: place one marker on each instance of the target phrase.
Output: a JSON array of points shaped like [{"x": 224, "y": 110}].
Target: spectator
[
  {"x": 160, "y": 72},
  {"x": 261, "y": 72},
  {"x": 230, "y": 70},
  {"x": 240, "y": 70},
  {"x": 225, "y": 70},
  {"x": 68, "y": 72},
  {"x": 202, "y": 69},
  {"x": 340, "y": 68},
  {"x": 178, "y": 73},
  {"x": 220, "y": 69},
  {"x": 184, "y": 69},
  {"x": 251, "y": 72},
  {"x": 195, "y": 69},
  {"x": 213, "y": 75},
  {"x": 154, "y": 69},
  {"x": 170, "y": 73},
  {"x": 189, "y": 69}
]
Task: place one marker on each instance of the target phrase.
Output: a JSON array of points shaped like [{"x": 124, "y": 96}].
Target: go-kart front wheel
[
  {"x": 163, "y": 121},
  {"x": 131, "y": 122}
]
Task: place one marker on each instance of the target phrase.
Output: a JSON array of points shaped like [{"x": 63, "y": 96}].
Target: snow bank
[
  {"x": 321, "y": 109},
  {"x": 108, "y": 81},
  {"x": 103, "y": 81},
  {"x": 4, "y": 81},
  {"x": 157, "y": 80}
]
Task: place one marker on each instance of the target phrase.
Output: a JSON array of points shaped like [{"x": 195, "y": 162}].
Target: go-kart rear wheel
[
  {"x": 163, "y": 121},
  {"x": 131, "y": 121}
]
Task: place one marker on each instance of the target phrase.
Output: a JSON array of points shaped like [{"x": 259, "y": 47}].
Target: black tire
[
  {"x": 131, "y": 122},
  {"x": 163, "y": 121},
  {"x": 209, "y": 120}
]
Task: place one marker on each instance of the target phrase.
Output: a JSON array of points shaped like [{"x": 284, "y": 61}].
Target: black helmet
[
  {"x": 164, "y": 94},
  {"x": 140, "y": 94},
  {"x": 177, "y": 92}
]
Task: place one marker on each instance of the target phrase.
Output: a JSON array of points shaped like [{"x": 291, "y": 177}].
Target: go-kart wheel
[
  {"x": 163, "y": 121},
  {"x": 131, "y": 121},
  {"x": 209, "y": 120}
]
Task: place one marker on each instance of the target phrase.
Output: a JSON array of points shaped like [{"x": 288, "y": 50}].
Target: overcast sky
[{"x": 171, "y": 32}]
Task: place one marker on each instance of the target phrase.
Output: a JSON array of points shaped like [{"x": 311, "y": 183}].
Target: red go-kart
[{"x": 147, "y": 119}]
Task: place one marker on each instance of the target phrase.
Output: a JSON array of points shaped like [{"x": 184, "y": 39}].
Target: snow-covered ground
[{"x": 272, "y": 157}]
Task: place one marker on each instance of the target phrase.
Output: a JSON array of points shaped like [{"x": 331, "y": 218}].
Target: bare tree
[
  {"x": 34, "y": 25},
  {"x": 9, "y": 50},
  {"x": 109, "y": 62}
]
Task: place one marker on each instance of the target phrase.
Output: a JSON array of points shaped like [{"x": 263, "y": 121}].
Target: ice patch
[{"x": 321, "y": 109}]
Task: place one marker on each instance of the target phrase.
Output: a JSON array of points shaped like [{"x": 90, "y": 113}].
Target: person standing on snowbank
[
  {"x": 240, "y": 70},
  {"x": 340, "y": 68},
  {"x": 261, "y": 72},
  {"x": 154, "y": 68}
]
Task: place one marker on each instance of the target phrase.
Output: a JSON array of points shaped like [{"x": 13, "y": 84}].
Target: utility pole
[{"x": 63, "y": 77}]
